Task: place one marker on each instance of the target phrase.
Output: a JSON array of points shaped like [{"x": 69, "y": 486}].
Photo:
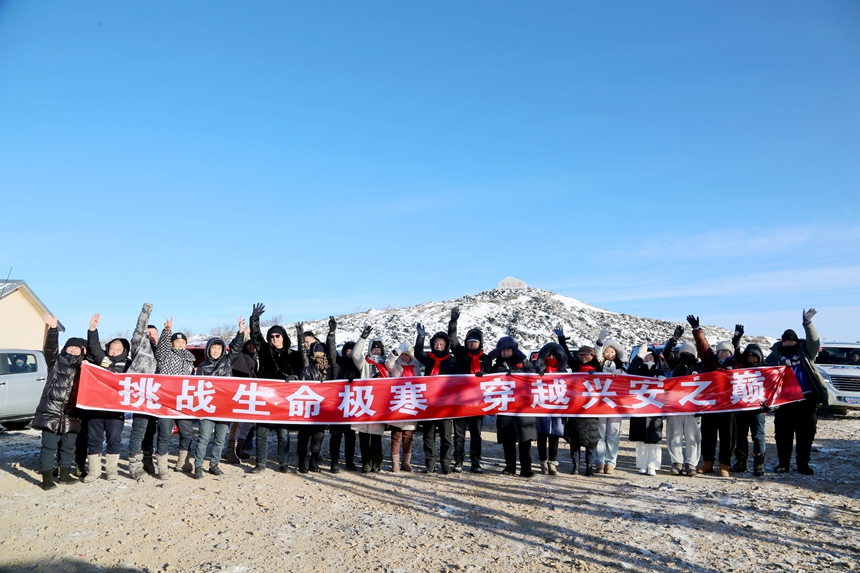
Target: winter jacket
[
  {"x": 581, "y": 432},
  {"x": 142, "y": 351},
  {"x": 117, "y": 364},
  {"x": 56, "y": 411},
  {"x": 347, "y": 366},
  {"x": 172, "y": 361},
  {"x": 247, "y": 363},
  {"x": 99, "y": 356},
  {"x": 446, "y": 361},
  {"x": 807, "y": 352},
  {"x": 395, "y": 367},
  {"x": 524, "y": 428},
  {"x": 710, "y": 362},
  {"x": 223, "y": 365},
  {"x": 675, "y": 365},
  {"x": 311, "y": 371},
  {"x": 551, "y": 425},
  {"x": 365, "y": 368},
  {"x": 646, "y": 429},
  {"x": 275, "y": 364},
  {"x": 617, "y": 364},
  {"x": 470, "y": 362}
]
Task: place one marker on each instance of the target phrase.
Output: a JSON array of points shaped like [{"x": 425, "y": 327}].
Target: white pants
[
  {"x": 647, "y": 456},
  {"x": 610, "y": 435},
  {"x": 683, "y": 439}
]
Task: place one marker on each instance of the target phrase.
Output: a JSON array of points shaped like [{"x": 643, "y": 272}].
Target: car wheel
[{"x": 16, "y": 425}]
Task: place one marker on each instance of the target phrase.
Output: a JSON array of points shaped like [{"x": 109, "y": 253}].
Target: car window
[
  {"x": 838, "y": 355},
  {"x": 17, "y": 363}
]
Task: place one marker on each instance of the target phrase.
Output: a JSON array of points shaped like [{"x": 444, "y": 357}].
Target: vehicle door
[{"x": 22, "y": 378}]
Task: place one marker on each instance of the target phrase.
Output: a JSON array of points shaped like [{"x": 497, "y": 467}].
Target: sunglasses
[{"x": 274, "y": 336}]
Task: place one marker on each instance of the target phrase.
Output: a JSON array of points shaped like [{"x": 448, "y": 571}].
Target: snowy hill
[{"x": 527, "y": 314}]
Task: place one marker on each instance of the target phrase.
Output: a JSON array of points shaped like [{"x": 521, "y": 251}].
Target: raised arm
[
  {"x": 452, "y": 327},
  {"x": 256, "y": 335},
  {"x": 706, "y": 353},
  {"x": 139, "y": 338},
  {"x": 358, "y": 349},
  {"x": 813, "y": 343},
  {"x": 562, "y": 341},
  {"x": 300, "y": 344},
  {"x": 94, "y": 347},
  {"x": 238, "y": 342},
  {"x": 162, "y": 349},
  {"x": 419, "y": 346},
  {"x": 736, "y": 339},
  {"x": 331, "y": 343},
  {"x": 51, "y": 350}
]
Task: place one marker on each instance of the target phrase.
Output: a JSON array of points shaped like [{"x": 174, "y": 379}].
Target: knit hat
[
  {"x": 377, "y": 344},
  {"x": 725, "y": 345},
  {"x": 317, "y": 347},
  {"x": 178, "y": 336},
  {"x": 506, "y": 342},
  {"x": 689, "y": 348},
  {"x": 77, "y": 342}
]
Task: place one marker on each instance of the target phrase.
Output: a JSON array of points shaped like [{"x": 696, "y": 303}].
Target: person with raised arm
[
  {"x": 56, "y": 414},
  {"x": 439, "y": 362},
  {"x": 277, "y": 362},
  {"x": 370, "y": 366},
  {"x": 104, "y": 426},
  {"x": 143, "y": 426},
  {"x": 218, "y": 363},
  {"x": 472, "y": 360}
]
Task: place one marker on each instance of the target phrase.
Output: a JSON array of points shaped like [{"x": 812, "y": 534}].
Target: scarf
[
  {"x": 436, "y": 363},
  {"x": 408, "y": 370},
  {"x": 475, "y": 366},
  {"x": 382, "y": 370},
  {"x": 551, "y": 364}
]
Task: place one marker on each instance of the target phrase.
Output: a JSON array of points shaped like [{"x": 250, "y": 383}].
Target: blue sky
[{"x": 653, "y": 158}]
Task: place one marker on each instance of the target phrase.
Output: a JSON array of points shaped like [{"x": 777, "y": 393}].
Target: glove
[
  {"x": 421, "y": 331},
  {"x": 366, "y": 332},
  {"x": 739, "y": 330},
  {"x": 765, "y": 409},
  {"x": 332, "y": 324},
  {"x": 602, "y": 336},
  {"x": 558, "y": 331},
  {"x": 679, "y": 332},
  {"x": 693, "y": 320},
  {"x": 808, "y": 314},
  {"x": 479, "y": 373},
  {"x": 455, "y": 313},
  {"x": 643, "y": 350},
  {"x": 259, "y": 309}
]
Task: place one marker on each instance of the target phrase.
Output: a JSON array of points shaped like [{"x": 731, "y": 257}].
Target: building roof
[{"x": 10, "y": 286}]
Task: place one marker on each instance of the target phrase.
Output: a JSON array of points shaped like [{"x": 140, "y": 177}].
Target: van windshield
[{"x": 839, "y": 355}]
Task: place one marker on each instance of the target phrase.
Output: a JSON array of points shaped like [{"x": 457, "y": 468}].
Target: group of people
[{"x": 73, "y": 440}]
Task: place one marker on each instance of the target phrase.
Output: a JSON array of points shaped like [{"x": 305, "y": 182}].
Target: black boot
[
  {"x": 526, "y": 459},
  {"x": 758, "y": 465},
  {"x": 315, "y": 462},
  {"x": 510, "y": 449},
  {"x": 66, "y": 476},
  {"x": 574, "y": 458},
  {"x": 303, "y": 463},
  {"x": 741, "y": 463},
  {"x": 148, "y": 465},
  {"x": 48, "y": 481},
  {"x": 589, "y": 470}
]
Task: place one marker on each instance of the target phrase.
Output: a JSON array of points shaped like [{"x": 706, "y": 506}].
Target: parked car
[
  {"x": 839, "y": 363},
  {"x": 22, "y": 377}
]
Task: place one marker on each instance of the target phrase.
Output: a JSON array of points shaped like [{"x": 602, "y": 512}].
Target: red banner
[{"x": 433, "y": 397}]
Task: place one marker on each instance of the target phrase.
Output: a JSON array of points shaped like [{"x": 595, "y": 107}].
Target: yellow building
[{"x": 21, "y": 317}]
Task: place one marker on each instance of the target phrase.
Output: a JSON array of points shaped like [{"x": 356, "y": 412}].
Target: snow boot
[
  {"x": 95, "y": 468},
  {"x": 214, "y": 469},
  {"x": 111, "y": 463},
  {"x": 48, "y": 481},
  {"x": 608, "y": 469},
  {"x": 66, "y": 476},
  {"x": 163, "y": 467},
  {"x": 574, "y": 458},
  {"x": 526, "y": 459},
  {"x": 543, "y": 467},
  {"x": 303, "y": 462},
  {"x": 230, "y": 453},
  {"x": 510, "y": 450},
  {"x": 395, "y": 463},
  {"x": 148, "y": 464},
  {"x": 758, "y": 465},
  {"x": 552, "y": 467},
  {"x": 183, "y": 462},
  {"x": 741, "y": 463},
  {"x": 314, "y": 465},
  {"x": 677, "y": 469},
  {"x": 240, "y": 450},
  {"x": 258, "y": 468},
  {"x": 599, "y": 468},
  {"x": 589, "y": 470},
  {"x": 406, "y": 466},
  {"x": 198, "y": 473},
  {"x": 135, "y": 466},
  {"x": 724, "y": 470},
  {"x": 689, "y": 470},
  {"x": 706, "y": 468}
]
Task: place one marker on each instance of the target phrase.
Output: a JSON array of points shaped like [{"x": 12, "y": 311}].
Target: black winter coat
[
  {"x": 513, "y": 428},
  {"x": 449, "y": 365},
  {"x": 283, "y": 364},
  {"x": 645, "y": 429},
  {"x": 116, "y": 364},
  {"x": 463, "y": 355},
  {"x": 580, "y": 432},
  {"x": 56, "y": 411},
  {"x": 223, "y": 365}
]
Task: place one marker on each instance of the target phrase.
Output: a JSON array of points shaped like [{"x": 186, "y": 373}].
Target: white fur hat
[{"x": 405, "y": 347}]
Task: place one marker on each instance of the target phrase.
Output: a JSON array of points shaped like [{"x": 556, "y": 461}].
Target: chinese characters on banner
[{"x": 433, "y": 397}]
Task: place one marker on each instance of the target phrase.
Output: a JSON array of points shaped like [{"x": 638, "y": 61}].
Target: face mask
[
  {"x": 74, "y": 360},
  {"x": 688, "y": 359},
  {"x": 788, "y": 350}
]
